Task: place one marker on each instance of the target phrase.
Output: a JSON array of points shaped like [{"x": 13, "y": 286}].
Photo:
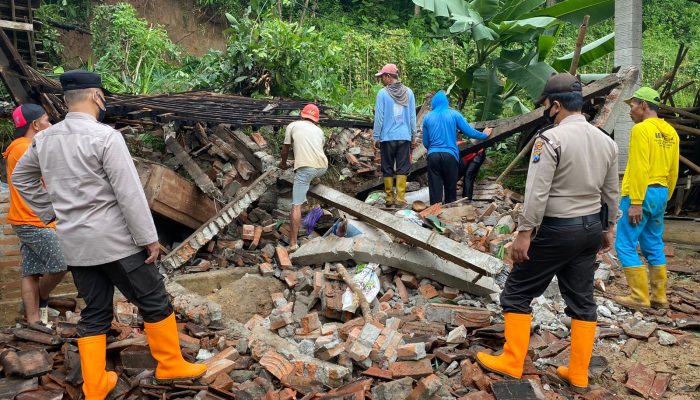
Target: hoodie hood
[
  {"x": 664, "y": 127},
  {"x": 12, "y": 145},
  {"x": 440, "y": 101}
]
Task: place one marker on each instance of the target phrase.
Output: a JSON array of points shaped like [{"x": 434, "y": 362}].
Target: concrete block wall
[{"x": 10, "y": 269}]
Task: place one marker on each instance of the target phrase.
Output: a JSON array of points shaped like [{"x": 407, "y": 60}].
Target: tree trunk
[
  {"x": 416, "y": 10},
  {"x": 303, "y": 13},
  {"x": 551, "y": 3}
]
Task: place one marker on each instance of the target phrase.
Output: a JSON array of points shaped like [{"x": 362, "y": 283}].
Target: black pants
[
  {"x": 567, "y": 252},
  {"x": 140, "y": 283},
  {"x": 396, "y": 157},
  {"x": 442, "y": 177},
  {"x": 469, "y": 170}
]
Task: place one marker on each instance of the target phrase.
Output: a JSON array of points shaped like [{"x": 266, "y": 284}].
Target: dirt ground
[
  {"x": 681, "y": 360},
  {"x": 187, "y": 26},
  {"x": 247, "y": 296}
]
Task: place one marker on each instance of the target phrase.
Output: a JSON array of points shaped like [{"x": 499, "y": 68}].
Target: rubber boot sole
[
  {"x": 495, "y": 371},
  {"x": 632, "y": 305},
  {"x": 172, "y": 381}
]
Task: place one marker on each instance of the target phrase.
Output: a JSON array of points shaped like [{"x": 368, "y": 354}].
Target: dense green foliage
[{"x": 132, "y": 55}]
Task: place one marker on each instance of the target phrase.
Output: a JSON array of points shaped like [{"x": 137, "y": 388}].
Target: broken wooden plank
[
  {"x": 411, "y": 259},
  {"x": 416, "y": 235},
  {"x": 189, "y": 247},
  {"x": 16, "y": 26},
  {"x": 172, "y": 196},
  {"x": 200, "y": 178}
]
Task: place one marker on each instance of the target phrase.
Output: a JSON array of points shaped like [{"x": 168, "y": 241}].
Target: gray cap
[{"x": 559, "y": 83}]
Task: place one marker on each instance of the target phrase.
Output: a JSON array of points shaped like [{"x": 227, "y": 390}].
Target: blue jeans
[
  {"x": 302, "y": 180},
  {"x": 647, "y": 233}
]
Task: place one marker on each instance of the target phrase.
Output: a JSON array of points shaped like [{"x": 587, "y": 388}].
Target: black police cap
[{"x": 80, "y": 79}]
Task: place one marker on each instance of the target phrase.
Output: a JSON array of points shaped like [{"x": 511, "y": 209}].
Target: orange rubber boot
[
  {"x": 97, "y": 383},
  {"x": 164, "y": 342},
  {"x": 582, "y": 339},
  {"x": 510, "y": 361}
]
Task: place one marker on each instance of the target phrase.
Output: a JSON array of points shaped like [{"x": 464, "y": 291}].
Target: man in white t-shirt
[{"x": 310, "y": 162}]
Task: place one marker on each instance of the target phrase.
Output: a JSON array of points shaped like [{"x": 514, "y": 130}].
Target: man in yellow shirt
[
  {"x": 650, "y": 177},
  {"x": 43, "y": 265}
]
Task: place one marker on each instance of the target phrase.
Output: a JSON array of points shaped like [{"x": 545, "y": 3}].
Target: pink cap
[
  {"x": 388, "y": 69},
  {"x": 18, "y": 118}
]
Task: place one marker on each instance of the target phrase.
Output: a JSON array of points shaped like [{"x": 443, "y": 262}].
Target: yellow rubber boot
[
  {"x": 389, "y": 190},
  {"x": 97, "y": 383},
  {"x": 657, "y": 282},
  {"x": 510, "y": 361},
  {"x": 582, "y": 339},
  {"x": 401, "y": 190},
  {"x": 165, "y": 347},
  {"x": 639, "y": 288}
]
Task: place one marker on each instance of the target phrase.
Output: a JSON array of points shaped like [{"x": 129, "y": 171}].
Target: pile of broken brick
[{"x": 414, "y": 338}]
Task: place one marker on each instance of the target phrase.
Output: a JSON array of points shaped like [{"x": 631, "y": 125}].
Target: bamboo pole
[
  {"x": 579, "y": 44},
  {"x": 690, "y": 164},
  {"x": 364, "y": 305},
  {"x": 685, "y": 129},
  {"x": 680, "y": 112},
  {"x": 517, "y": 159}
]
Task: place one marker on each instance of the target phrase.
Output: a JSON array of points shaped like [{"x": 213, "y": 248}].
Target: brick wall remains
[{"x": 10, "y": 269}]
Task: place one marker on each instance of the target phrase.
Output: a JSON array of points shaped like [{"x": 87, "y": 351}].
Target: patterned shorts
[{"x": 41, "y": 252}]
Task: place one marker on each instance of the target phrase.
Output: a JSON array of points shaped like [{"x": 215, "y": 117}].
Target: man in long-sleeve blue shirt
[
  {"x": 394, "y": 132},
  {"x": 440, "y": 138}
]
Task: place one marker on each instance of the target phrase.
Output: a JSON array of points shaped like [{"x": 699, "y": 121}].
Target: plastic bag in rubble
[
  {"x": 411, "y": 216},
  {"x": 312, "y": 218},
  {"x": 367, "y": 280},
  {"x": 375, "y": 198}
]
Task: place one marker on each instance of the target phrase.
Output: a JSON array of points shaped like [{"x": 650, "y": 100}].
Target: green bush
[{"x": 132, "y": 55}]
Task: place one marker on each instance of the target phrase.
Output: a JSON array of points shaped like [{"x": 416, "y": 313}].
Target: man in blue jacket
[
  {"x": 440, "y": 139},
  {"x": 394, "y": 132}
]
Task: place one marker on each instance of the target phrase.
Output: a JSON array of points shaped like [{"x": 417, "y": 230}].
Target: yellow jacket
[{"x": 653, "y": 159}]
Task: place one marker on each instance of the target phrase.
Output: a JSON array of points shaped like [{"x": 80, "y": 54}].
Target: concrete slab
[
  {"x": 411, "y": 259},
  {"x": 203, "y": 283},
  {"x": 416, "y": 235}
]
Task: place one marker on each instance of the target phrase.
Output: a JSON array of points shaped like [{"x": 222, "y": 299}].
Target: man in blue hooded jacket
[{"x": 440, "y": 139}]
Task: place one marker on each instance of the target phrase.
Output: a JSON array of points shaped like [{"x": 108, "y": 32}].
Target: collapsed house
[{"x": 376, "y": 303}]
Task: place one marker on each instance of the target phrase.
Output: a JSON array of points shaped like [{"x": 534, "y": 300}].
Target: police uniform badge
[{"x": 536, "y": 151}]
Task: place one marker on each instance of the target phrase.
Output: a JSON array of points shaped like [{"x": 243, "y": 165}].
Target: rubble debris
[
  {"x": 206, "y": 232},
  {"x": 200, "y": 178},
  {"x": 440, "y": 245},
  {"x": 415, "y": 260},
  {"x": 172, "y": 196}
]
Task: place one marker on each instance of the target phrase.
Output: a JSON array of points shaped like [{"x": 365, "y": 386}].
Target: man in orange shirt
[{"x": 43, "y": 266}]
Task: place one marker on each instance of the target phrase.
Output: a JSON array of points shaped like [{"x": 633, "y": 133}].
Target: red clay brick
[
  {"x": 9, "y": 241},
  {"x": 428, "y": 291},
  {"x": 248, "y": 232},
  {"x": 426, "y": 388},
  {"x": 414, "y": 369},
  {"x": 402, "y": 290},
  {"x": 640, "y": 379},
  {"x": 283, "y": 258},
  {"x": 378, "y": 373},
  {"x": 480, "y": 395}
]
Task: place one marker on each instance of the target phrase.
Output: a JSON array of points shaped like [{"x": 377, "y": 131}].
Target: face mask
[
  {"x": 550, "y": 118},
  {"x": 103, "y": 111}
]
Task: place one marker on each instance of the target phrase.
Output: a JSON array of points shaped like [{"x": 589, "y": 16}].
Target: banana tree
[{"x": 512, "y": 37}]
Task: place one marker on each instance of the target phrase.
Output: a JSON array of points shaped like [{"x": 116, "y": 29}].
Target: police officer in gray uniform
[{"x": 572, "y": 179}]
